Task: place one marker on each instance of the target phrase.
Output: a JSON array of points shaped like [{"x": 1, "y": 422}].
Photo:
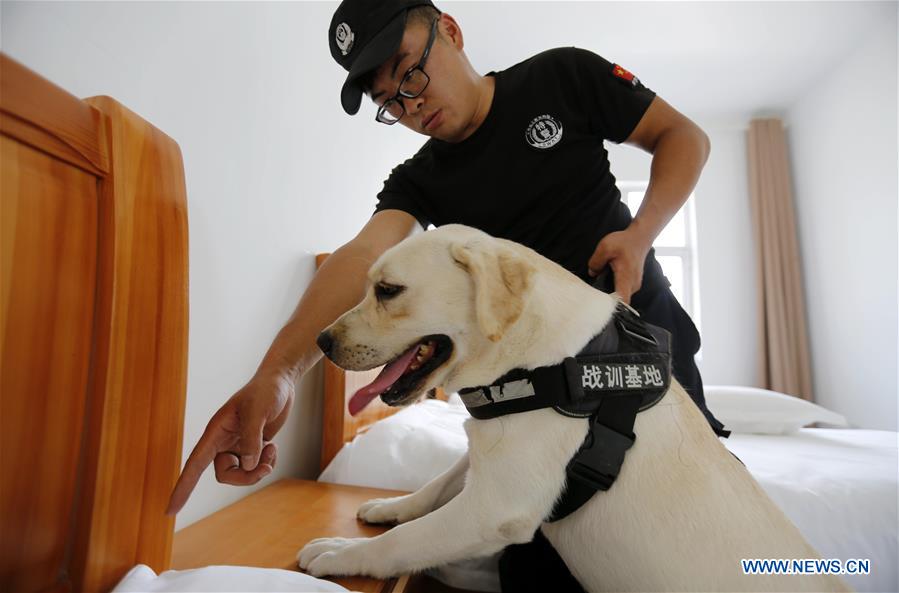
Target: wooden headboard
[
  {"x": 93, "y": 337},
  {"x": 338, "y": 427}
]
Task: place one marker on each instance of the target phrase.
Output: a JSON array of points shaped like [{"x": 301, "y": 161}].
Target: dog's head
[{"x": 436, "y": 306}]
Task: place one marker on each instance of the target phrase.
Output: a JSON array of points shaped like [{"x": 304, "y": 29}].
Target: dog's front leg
[
  {"x": 463, "y": 528},
  {"x": 510, "y": 487},
  {"x": 432, "y": 495}
]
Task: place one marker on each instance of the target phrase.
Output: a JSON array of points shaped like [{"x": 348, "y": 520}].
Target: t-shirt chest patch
[{"x": 544, "y": 131}]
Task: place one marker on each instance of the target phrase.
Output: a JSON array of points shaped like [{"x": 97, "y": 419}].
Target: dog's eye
[{"x": 387, "y": 291}]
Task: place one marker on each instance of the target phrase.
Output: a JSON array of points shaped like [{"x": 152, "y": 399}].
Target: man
[{"x": 517, "y": 153}]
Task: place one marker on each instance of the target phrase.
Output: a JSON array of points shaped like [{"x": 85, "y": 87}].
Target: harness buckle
[
  {"x": 599, "y": 460},
  {"x": 635, "y": 329}
]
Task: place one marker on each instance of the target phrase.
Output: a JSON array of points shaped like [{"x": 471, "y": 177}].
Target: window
[{"x": 675, "y": 248}]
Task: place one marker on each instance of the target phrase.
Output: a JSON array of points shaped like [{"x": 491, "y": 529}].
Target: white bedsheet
[
  {"x": 839, "y": 486},
  {"x": 142, "y": 579}
]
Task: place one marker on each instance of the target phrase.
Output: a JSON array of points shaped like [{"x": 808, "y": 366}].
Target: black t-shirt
[{"x": 536, "y": 170}]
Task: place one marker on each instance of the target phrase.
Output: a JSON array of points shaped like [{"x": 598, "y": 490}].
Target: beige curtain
[{"x": 783, "y": 339}]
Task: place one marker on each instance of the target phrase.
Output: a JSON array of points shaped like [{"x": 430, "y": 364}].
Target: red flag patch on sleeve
[{"x": 624, "y": 75}]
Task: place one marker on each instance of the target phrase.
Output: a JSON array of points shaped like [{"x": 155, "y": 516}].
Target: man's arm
[
  {"x": 238, "y": 437},
  {"x": 337, "y": 287},
  {"x": 680, "y": 150}
]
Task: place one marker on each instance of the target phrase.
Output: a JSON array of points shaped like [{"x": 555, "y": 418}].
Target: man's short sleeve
[
  {"x": 614, "y": 99},
  {"x": 400, "y": 194}
]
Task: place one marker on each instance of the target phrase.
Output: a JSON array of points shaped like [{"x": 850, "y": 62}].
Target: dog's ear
[{"x": 502, "y": 281}]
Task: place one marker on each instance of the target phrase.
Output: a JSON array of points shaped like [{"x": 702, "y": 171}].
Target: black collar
[{"x": 628, "y": 358}]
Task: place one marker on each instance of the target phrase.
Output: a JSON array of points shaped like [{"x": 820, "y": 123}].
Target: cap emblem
[{"x": 343, "y": 35}]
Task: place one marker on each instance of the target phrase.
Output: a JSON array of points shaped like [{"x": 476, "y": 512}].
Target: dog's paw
[
  {"x": 332, "y": 556},
  {"x": 390, "y": 510}
]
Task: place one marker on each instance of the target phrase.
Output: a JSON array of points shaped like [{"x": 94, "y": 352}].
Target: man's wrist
[
  {"x": 278, "y": 368},
  {"x": 644, "y": 233}
]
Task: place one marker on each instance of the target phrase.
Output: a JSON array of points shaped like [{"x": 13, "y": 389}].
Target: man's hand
[
  {"x": 625, "y": 251},
  {"x": 238, "y": 437}
]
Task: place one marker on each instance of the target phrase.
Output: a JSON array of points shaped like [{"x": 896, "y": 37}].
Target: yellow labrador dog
[{"x": 456, "y": 308}]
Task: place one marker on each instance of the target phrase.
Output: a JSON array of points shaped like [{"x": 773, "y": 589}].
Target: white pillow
[
  {"x": 761, "y": 411},
  {"x": 404, "y": 451}
]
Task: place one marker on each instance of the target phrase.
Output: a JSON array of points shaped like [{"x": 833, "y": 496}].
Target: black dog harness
[{"x": 623, "y": 370}]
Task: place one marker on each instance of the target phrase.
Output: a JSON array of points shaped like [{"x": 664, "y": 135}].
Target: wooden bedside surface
[{"x": 268, "y": 528}]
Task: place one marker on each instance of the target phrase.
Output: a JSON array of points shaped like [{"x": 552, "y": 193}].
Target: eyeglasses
[{"x": 414, "y": 83}]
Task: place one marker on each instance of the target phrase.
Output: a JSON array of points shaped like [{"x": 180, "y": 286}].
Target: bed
[{"x": 838, "y": 485}]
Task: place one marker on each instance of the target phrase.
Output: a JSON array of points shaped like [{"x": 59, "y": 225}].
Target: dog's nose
[{"x": 325, "y": 342}]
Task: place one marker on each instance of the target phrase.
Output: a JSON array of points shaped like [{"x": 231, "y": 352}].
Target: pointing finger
[{"x": 199, "y": 459}]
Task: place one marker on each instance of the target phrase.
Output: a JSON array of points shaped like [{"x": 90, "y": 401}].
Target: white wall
[
  {"x": 276, "y": 172},
  {"x": 842, "y": 136}
]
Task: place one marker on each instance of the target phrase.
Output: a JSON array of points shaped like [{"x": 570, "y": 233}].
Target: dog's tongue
[{"x": 387, "y": 377}]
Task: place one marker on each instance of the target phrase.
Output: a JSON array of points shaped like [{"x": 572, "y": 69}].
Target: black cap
[{"x": 362, "y": 36}]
